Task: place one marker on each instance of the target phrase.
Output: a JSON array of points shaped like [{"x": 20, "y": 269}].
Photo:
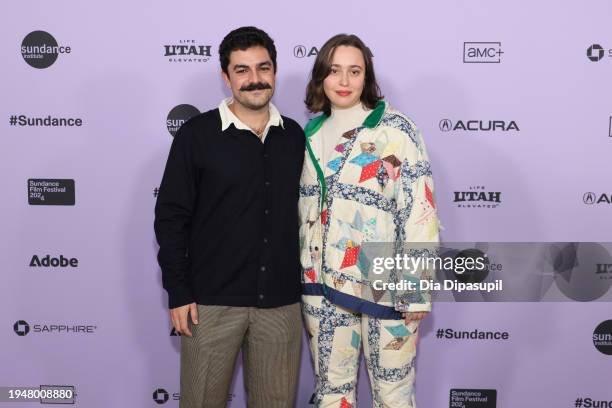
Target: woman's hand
[{"x": 413, "y": 316}]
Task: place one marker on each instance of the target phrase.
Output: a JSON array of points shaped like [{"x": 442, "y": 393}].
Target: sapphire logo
[
  {"x": 21, "y": 327},
  {"x": 595, "y": 52},
  {"x": 160, "y": 396}
]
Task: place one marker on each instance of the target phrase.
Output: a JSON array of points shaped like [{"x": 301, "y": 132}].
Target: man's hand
[
  {"x": 413, "y": 316},
  {"x": 179, "y": 318}
]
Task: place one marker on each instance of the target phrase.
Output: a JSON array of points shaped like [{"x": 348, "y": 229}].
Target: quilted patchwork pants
[{"x": 336, "y": 335}]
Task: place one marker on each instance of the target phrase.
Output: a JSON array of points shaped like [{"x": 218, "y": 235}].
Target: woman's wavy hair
[{"x": 316, "y": 100}]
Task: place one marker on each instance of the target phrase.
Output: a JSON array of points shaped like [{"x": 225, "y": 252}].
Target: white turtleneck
[{"x": 340, "y": 121}]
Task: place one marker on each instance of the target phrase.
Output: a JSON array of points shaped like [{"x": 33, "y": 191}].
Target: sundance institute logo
[
  {"x": 40, "y": 50},
  {"x": 602, "y": 337},
  {"x": 179, "y": 115}
]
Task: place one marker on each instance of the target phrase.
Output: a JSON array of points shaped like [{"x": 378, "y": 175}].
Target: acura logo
[
  {"x": 299, "y": 51},
  {"x": 588, "y": 198},
  {"x": 446, "y": 125}
]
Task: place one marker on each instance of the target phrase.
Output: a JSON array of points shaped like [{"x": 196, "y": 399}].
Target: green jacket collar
[{"x": 370, "y": 122}]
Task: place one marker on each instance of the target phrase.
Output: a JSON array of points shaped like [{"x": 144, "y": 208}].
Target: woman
[{"x": 366, "y": 178}]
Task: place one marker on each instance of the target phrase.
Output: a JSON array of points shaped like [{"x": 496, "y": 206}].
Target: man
[{"x": 226, "y": 223}]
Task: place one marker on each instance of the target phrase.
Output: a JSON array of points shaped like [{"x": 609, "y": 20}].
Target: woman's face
[{"x": 344, "y": 84}]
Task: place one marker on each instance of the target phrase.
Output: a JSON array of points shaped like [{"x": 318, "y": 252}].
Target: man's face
[{"x": 251, "y": 77}]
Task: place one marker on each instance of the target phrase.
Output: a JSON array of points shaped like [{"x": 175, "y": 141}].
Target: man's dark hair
[
  {"x": 316, "y": 100},
  {"x": 243, "y": 38}
]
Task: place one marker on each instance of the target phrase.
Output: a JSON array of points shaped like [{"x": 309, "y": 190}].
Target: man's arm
[{"x": 173, "y": 215}]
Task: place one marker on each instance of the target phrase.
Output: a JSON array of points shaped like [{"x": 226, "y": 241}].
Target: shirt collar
[{"x": 228, "y": 117}]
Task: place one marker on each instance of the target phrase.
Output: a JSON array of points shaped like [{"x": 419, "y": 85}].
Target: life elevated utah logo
[
  {"x": 478, "y": 125},
  {"x": 477, "y": 197},
  {"x": 187, "y": 51},
  {"x": 40, "y": 49},
  {"x": 179, "y": 115},
  {"x": 482, "y": 52}
]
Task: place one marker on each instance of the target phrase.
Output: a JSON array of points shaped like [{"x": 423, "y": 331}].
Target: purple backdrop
[{"x": 540, "y": 69}]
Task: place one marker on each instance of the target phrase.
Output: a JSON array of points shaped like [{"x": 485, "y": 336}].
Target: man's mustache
[{"x": 255, "y": 86}]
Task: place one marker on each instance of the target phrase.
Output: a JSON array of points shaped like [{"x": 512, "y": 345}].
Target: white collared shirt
[{"x": 228, "y": 117}]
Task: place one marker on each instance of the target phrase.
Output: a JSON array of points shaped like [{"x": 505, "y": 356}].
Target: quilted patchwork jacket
[{"x": 376, "y": 188}]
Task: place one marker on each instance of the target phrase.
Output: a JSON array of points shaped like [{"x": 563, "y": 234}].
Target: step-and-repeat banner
[{"x": 513, "y": 100}]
